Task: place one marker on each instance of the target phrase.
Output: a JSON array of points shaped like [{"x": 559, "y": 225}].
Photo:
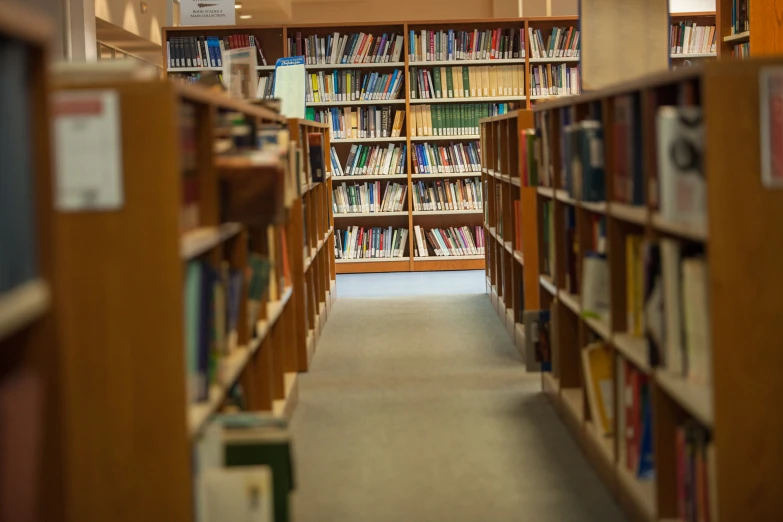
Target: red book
[
  {"x": 359, "y": 49},
  {"x": 630, "y": 419},
  {"x": 432, "y": 44}
]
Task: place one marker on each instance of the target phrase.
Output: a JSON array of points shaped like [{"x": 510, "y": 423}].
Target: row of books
[
  {"x": 740, "y": 16},
  {"x": 448, "y": 195},
  {"x": 555, "y": 80},
  {"x": 691, "y": 38},
  {"x": 562, "y": 42},
  {"x": 353, "y": 85},
  {"x": 18, "y": 251},
  {"x": 370, "y": 243},
  {"x": 453, "y": 120},
  {"x": 635, "y": 421},
  {"x": 449, "y": 242},
  {"x": 449, "y": 45},
  {"x": 372, "y": 121},
  {"x": 266, "y": 83},
  {"x": 695, "y": 464},
  {"x": 741, "y": 51},
  {"x": 467, "y": 81},
  {"x": 364, "y": 160},
  {"x": 369, "y": 197},
  {"x": 454, "y": 157},
  {"x": 337, "y": 48},
  {"x": 207, "y": 51}
]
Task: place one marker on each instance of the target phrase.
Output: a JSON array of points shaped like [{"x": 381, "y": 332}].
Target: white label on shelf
[
  {"x": 88, "y": 151},
  {"x": 207, "y": 12},
  {"x": 771, "y": 120}
]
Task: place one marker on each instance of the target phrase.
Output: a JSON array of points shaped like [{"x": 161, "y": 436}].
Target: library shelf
[
  {"x": 310, "y": 257},
  {"x": 683, "y": 230},
  {"x": 605, "y": 444},
  {"x": 232, "y": 367},
  {"x": 22, "y": 305},
  {"x": 574, "y": 403},
  {"x": 370, "y": 65},
  {"x": 636, "y": 214},
  {"x": 547, "y": 192},
  {"x": 446, "y": 212},
  {"x": 354, "y": 102},
  {"x": 598, "y": 207},
  {"x": 563, "y": 196},
  {"x": 374, "y": 260},
  {"x": 446, "y": 138},
  {"x": 737, "y": 38},
  {"x": 369, "y": 177},
  {"x": 354, "y": 266},
  {"x": 201, "y": 240},
  {"x": 555, "y": 59},
  {"x": 599, "y": 326},
  {"x": 368, "y": 140},
  {"x": 468, "y": 62},
  {"x": 641, "y": 491},
  {"x": 519, "y": 256},
  {"x": 447, "y": 258},
  {"x": 634, "y": 349},
  {"x": 571, "y": 301},
  {"x": 371, "y": 214},
  {"x": 446, "y": 175},
  {"x": 548, "y": 285},
  {"x": 192, "y": 69},
  {"x": 550, "y": 96},
  {"x": 696, "y": 399},
  {"x": 469, "y": 99},
  {"x": 684, "y": 56}
]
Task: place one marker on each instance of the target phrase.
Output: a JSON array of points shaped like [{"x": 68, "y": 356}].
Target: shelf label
[
  {"x": 771, "y": 119},
  {"x": 207, "y": 12},
  {"x": 88, "y": 151}
]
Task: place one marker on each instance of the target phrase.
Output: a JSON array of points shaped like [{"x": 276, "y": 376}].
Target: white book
[
  {"x": 697, "y": 321},
  {"x": 403, "y": 241},
  {"x": 672, "y": 301},
  {"x": 417, "y": 234}
]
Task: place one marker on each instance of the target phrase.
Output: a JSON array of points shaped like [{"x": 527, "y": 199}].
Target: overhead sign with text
[{"x": 207, "y": 12}]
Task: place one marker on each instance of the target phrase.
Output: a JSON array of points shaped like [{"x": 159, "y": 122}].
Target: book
[
  {"x": 237, "y": 493},
  {"x": 595, "y": 287},
  {"x": 315, "y": 146},
  {"x": 637, "y": 438},
  {"x": 634, "y": 301},
  {"x": 457, "y": 119},
  {"x": 695, "y": 466},
  {"x": 628, "y": 181},
  {"x": 598, "y": 372},
  {"x": 680, "y": 150}
]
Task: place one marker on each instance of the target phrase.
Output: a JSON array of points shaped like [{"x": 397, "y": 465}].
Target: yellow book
[
  {"x": 419, "y": 121},
  {"x": 314, "y": 83},
  {"x": 485, "y": 80},
  {"x": 395, "y": 126},
  {"x": 514, "y": 80},
  {"x": 597, "y": 364},
  {"x": 348, "y": 94},
  {"x": 444, "y": 84},
  {"x": 457, "y": 82},
  {"x": 473, "y": 81},
  {"x": 402, "y": 122},
  {"x": 428, "y": 120},
  {"x": 493, "y": 81},
  {"x": 521, "y": 78}
]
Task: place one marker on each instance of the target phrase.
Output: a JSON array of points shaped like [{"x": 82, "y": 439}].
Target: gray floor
[{"x": 418, "y": 410}]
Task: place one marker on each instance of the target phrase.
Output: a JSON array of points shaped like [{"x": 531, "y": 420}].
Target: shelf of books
[
  {"x": 401, "y": 127},
  {"x": 312, "y": 227},
  {"x": 510, "y": 225},
  {"x": 693, "y": 38},
  {"x": 29, "y": 455},
  {"x": 644, "y": 279},
  {"x": 176, "y": 290},
  {"x": 734, "y": 24}
]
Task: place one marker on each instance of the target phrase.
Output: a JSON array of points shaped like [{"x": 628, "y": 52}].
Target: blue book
[
  {"x": 391, "y": 83},
  {"x": 592, "y": 161},
  {"x": 450, "y": 48},
  {"x": 364, "y": 86}
]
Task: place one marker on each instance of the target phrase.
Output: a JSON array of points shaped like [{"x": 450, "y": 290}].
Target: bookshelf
[
  {"x": 682, "y": 30},
  {"x": 406, "y": 218},
  {"x": 197, "y": 233},
  {"x": 606, "y": 258},
  {"x": 763, "y": 15},
  {"x": 29, "y": 457},
  {"x": 511, "y": 253},
  {"x": 312, "y": 227}
]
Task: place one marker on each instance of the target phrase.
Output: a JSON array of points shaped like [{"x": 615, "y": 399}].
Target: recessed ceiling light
[
  {"x": 237, "y": 6},
  {"x": 245, "y": 17}
]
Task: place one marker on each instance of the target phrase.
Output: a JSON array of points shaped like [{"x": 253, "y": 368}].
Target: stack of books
[
  {"x": 555, "y": 80},
  {"x": 447, "y": 195},
  {"x": 453, "y": 120},
  {"x": 443, "y": 159},
  {"x": 691, "y": 38},
  {"x": 363, "y": 198},
  {"x": 207, "y": 51},
  {"x": 370, "y": 243},
  {"x": 360, "y": 122},
  {"x": 339, "y": 48},
  {"x": 352, "y": 85},
  {"x": 367, "y": 160},
  {"x": 449, "y": 242},
  {"x": 450, "y": 45},
  {"x": 562, "y": 42},
  {"x": 467, "y": 82}
]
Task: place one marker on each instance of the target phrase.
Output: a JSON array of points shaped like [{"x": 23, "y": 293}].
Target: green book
[
  {"x": 363, "y": 159},
  {"x": 449, "y": 83},
  {"x": 310, "y": 113},
  {"x": 440, "y": 121},
  {"x": 436, "y": 81},
  {"x": 466, "y": 81}
]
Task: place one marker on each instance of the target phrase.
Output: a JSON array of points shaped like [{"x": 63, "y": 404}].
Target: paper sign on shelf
[
  {"x": 88, "y": 151},
  {"x": 207, "y": 12},
  {"x": 290, "y": 86}
]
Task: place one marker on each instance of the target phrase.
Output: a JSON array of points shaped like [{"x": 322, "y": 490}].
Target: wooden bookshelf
[
  {"x": 742, "y": 287},
  {"x": 126, "y": 373},
  {"x": 510, "y": 225},
  {"x": 701, "y": 19},
  {"x": 312, "y": 227},
  {"x": 30, "y": 456},
  {"x": 406, "y": 218}
]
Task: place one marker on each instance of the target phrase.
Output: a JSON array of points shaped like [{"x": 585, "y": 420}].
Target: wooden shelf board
[
  {"x": 516, "y": 182},
  {"x": 573, "y": 401},
  {"x": 550, "y": 383},
  {"x": 599, "y": 326},
  {"x": 597, "y": 207},
  {"x": 429, "y": 63},
  {"x": 285, "y": 407},
  {"x": 737, "y": 38},
  {"x": 684, "y": 230},
  {"x": 370, "y": 214},
  {"x": 605, "y": 444},
  {"x": 641, "y": 491},
  {"x": 23, "y": 305},
  {"x": 547, "y": 283},
  {"x": 519, "y": 256},
  {"x": 371, "y": 177},
  {"x": 374, "y": 260},
  {"x": 505, "y": 178},
  {"x": 446, "y": 175},
  {"x": 231, "y": 368},
  {"x": 445, "y": 212},
  {"x": 448, "y": 258},
  {"x": 550, "y": 96},
  {"x": 555, "y": 59},
  {"x": 631, "y": 213},
  {"x": 563, "y": 196},
  {"x": 446, "y": 138},
  {"x": 353, "y": 65},
  {"x": 368, "y": 140},
  {"x": 473, "y": 99},
  {"x": 695, "y": 399},
  {"x": 547, "y": 192},
  {"x": 215, "y": 69},
  {"x": 509, "y": 247},
  {"x": 633, "y": 349},
  {"x": 572, "y": 301},
  {"x": 355, "y": 102},
  {"x": 201, "y": 240},
  {"x": 685, "y": 56}
]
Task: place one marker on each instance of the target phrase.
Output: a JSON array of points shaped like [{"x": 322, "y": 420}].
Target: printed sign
[
  {"x": 771, "y": 118},
  {"x": 207, "y": 12}
]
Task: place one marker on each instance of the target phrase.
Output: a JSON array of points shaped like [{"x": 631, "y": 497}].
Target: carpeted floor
[{"x": 417, "y": 409}]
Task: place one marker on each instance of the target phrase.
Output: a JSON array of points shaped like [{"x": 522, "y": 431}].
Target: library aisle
[{"x": 416, "y": 408}]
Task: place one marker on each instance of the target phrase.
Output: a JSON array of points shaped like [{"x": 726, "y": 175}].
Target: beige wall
[{"x": 127, "y": 15}]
